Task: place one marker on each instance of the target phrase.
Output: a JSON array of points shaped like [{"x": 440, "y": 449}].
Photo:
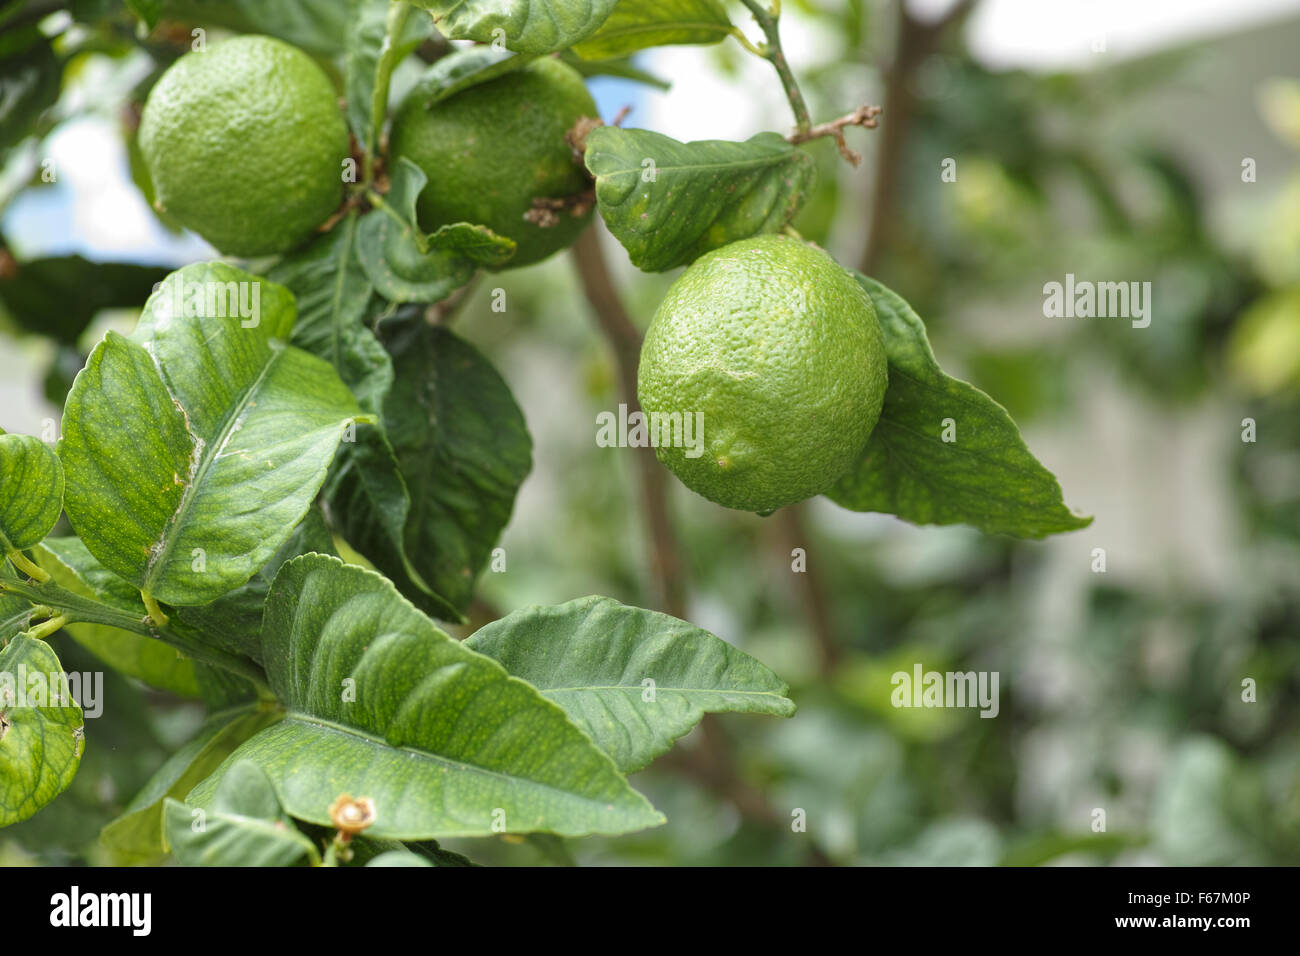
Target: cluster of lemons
[{"x": 774, "y": 343}]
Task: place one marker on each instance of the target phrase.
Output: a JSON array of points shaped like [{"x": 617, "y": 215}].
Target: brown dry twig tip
[
  {"x": 546, "y": 211},
  {"x": 864, "y": 116}
]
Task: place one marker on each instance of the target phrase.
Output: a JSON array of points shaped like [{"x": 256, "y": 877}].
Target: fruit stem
[
  {"x": 20, "y": 562},
  {"x": 156, "y": 614},
  {"x": 768, "y": 23},
  {"x": 43, "y": 630}
]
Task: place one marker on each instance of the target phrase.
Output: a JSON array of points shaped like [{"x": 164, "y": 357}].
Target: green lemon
[
  {"x": 245, "y": 143},
  {"x": 492, "y": 149},
  {"x": 778, "y": 349}
]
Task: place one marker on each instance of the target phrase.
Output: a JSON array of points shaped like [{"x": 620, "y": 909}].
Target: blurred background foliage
[{"x": 1121, "y": 691}]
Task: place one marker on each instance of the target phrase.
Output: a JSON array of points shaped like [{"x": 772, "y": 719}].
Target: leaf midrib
[
  {"x": 302, "y": 717},
  {"x": 774, "y": 159},
  {"x": 158, "y": 560}
]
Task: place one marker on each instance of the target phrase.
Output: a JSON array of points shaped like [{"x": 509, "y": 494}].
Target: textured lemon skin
[
  {"x": 245, "y": 143},
  {"x": 492, "y": 149},
  {"x": 779, "y": 348}
]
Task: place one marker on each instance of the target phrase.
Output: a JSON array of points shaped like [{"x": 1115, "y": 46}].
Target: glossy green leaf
[
  {"x": 524, "y": 26},
  {"x": 362, "y": 70},
  {"x": 335, "y": 298},
  {"x": 461, "y": 69},
  {"x": 233, "y": 621},
  {"x": 136, "y": 836},
  {"x": 637, "y": 24},
  {"x": 669, "y": 202},
  {"x": 986, "y": 477},
  {"x": 320, "y": 26},
  {"x": 31, "y": 491},
  {"x": 159, "y": 665},
  {"x": 462, "y": 450},
  {"x": 370, "y": 502},
  {"x": 406, "y": 265},
  {"x": 364, "y": 42},
  {"x": 634, "y": 680},
  {"x": 192, "y": 449},
  {"x": 478, "y": 244},
  {"x": 41, "y": 729},
  {"x": 15, "y": 613},
  {"x": 243, "y": 826},
  {"x": 382, "y": 704}
]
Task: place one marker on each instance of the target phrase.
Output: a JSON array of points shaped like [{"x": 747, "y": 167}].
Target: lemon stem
[
  {"x": 156, "y": 614},
  {"x": 768, "y": 23},
  {"x": 43, "y": 630},
  {"x": 27, "y": 567}
]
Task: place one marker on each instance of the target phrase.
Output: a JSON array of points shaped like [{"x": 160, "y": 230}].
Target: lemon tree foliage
[
  {"x": 427, "y": 501},
  {"x": 464, "y": 68},
  {"x": 525, "y": 26},
  {"x": 41, "y": 731},
  {"x": 71, "y": 566},
  {"x": 670, "y": 202},
  {"x": 446, "y": 743},
  {"x": 244, "y": 826},
  {"x": 637, "y": 24},
  {"x": 31, "y": 491},
  {"x": 407, "y": 265},
  {"x": 136, "y": 836},
  {"x": 943, "y": 452},
  {"x": 291, "y": 466},
  {"x": 634, "y": 680},
  {"x": 166, "y": 430}
]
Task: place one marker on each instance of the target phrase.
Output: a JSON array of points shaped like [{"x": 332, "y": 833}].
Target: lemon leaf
[
  {"x": 669, "y": 202},
  {"x": 137, "y": 834},
  {"x": 461, "y": 69},
  {"x": 31, "y": 491},
  {"x": 638, "y": 24},
  {"x": 427, "y": 504},
  {"x": 406, "y": 265},
  {"x": 382, "y": 704},
  {"x": 984, "y": 477},
  {"x": 41, "y": 737},
  {"x": 524, "y": 26},
  {"x": 634, "y": 680},
  {"x": 160, "y": 665},
  {"x": 335, "y": 300},
  {"x": 193, "y": 448},
  {"x": 244, "y": 826}
]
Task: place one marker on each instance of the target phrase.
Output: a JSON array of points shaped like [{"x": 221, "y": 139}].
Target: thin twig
[
  {"x": 793, "y": 533},
  {"x": 625, "y": 340},
  {"x": 864, "y": 116},
  {"x": 768, "y": 23},
  {"x": 916, "y": 40}
]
